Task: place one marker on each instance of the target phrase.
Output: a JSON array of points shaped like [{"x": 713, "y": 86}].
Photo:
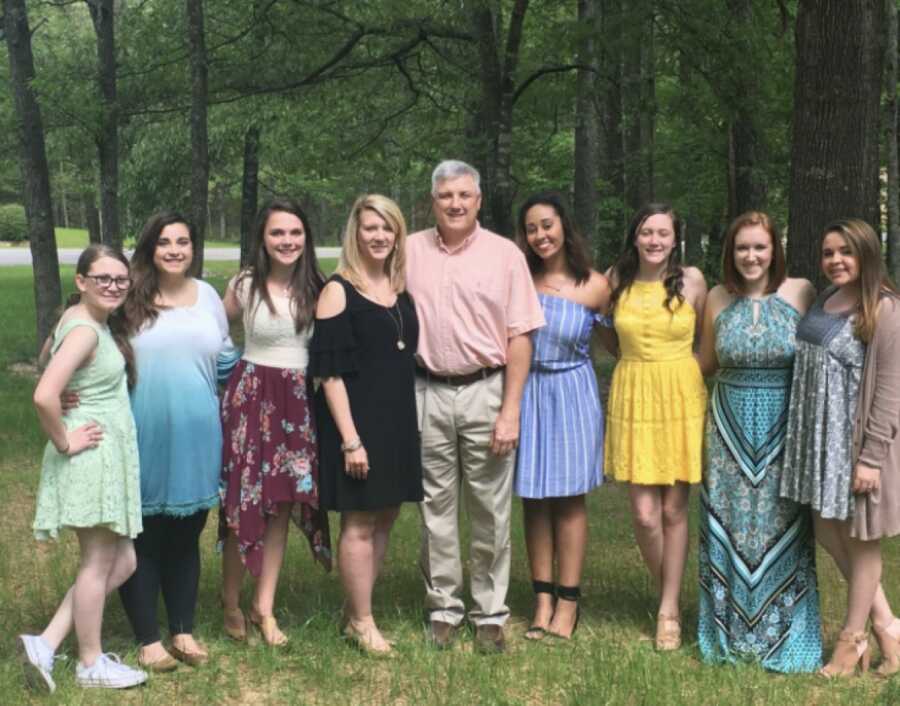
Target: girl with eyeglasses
[{"x": 90, "y": 474}]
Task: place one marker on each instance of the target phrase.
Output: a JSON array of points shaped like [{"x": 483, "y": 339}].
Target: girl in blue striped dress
[{"x": 560, "y": 455}]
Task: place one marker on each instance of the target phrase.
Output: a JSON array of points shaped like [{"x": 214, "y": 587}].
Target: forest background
[{"x": 112, "y": 109}]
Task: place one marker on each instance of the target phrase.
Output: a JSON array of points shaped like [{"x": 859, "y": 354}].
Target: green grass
[
  {"x": 78, "y": 238},
  {"x": 610, "y": 661}
]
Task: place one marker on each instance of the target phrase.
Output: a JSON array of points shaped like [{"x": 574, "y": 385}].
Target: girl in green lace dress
[{"x": 89, "y": 479}]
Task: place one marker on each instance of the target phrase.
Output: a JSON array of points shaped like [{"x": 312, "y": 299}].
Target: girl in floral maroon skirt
[{"x": 269, "y": 458}]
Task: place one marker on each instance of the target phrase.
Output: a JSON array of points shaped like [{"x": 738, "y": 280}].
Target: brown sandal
[
  {"x": 235, "y": 623},
  {"x": 362, "y": 639},
  {"x": 194, "y": 659},
  {"x": 268, "y": 629},
  {"x": 851, "y": 653},
  {"x": 668, "y": 632},
  {"x": 890, "y": 650}
]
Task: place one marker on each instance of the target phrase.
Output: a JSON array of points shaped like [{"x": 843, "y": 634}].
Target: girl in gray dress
[{"x": 844, "y": 413}]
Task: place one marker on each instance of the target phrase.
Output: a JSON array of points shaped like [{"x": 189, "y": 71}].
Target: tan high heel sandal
[
  {"x": 268, "y": 629},
  {"x": 362, "y": 639},
  {"x": 890, "y": 650},
  {"x": 851, "y": 652},
  {"x": 668, "y": 632}
]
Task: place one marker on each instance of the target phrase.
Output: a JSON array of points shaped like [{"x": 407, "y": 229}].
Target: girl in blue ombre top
[{"x": 180, "y": 337}]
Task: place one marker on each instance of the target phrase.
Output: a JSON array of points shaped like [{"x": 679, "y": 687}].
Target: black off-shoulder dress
[{"x": 360, "y": 345}]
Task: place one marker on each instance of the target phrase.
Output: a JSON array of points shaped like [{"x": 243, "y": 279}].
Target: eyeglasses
[{"x": 106, "y": 281}]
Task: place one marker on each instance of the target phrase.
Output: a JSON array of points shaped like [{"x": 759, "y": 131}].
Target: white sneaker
[
  {"x": 108, "y": 672},
  {"x": 37, "y": 662}
]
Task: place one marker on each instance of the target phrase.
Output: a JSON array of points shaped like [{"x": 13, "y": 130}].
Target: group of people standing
[{"x": 457, "y": 362}]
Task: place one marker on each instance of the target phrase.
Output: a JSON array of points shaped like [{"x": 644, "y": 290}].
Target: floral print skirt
[{"x": 269, "y": 456}]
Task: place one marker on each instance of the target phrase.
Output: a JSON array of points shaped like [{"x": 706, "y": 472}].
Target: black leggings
[{"x": 168, "y": 557}]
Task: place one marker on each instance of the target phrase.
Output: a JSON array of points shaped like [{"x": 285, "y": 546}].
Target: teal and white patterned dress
[{"x": 758, "y": 596}]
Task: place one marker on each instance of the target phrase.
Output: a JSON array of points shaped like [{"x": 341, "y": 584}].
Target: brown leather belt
[{"x": 458, "y": 380}]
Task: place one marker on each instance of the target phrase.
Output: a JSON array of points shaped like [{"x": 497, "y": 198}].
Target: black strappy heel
[
  {"x": 568, "y": 593},
  {"x": 536, "y": 632}
]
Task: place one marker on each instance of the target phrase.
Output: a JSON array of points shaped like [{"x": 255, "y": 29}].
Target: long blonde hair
[
  {"x": 350, "y": 263},
  {"x": 874, "y": 281}
]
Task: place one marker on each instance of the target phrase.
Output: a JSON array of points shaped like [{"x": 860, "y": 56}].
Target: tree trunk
[
  {"x": 223, "y": 216},
  {"x": 892, "y": 122},
  {"x": 199, "y": 136},
  {"x": 65, "y": 206},
  {"x": 587, "y": 129},
  {"x": 639, "y": 105},
  {"x": 103, "y": 17},
  {"x": 747, "y": 183},
  {"x": 35, "y": 172},
  {"x": 249, "y": 191},
  {"x": 693, "y": 240},
  {"x": 92, "y": 217},
  {"x": 611, "y": 139},
  {"x": 498, "y": 71},
  {"x": 837, "y": 93}
]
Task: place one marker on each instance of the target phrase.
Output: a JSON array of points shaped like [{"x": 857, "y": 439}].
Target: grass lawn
[
  {"x": 78, "y": 238},
  {"x": 611, "y": 660}
]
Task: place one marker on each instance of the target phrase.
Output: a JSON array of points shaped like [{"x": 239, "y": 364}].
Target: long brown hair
[
  {"x": 731, "y": 278},
  {"x": 874, "y": 281},
  {"x": 628, "y": 264},
  {"x": 140, "y": 305},
  {"x": 306, "y": 279},
  {"x": 575, "y": 249},
  {"x": 116, "y": 321}
]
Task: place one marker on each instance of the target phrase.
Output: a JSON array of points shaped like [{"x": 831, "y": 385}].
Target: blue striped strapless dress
[{"x": 561, "y": 438}]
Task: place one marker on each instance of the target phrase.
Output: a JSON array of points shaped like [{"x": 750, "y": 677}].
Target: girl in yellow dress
[{"x": 657, "y": 399}]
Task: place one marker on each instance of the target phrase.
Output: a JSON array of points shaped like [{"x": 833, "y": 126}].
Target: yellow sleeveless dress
[{"x": 657, "y": 398}]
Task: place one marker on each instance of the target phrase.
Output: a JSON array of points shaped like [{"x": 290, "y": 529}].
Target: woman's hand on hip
[{"x": 87, "y": 436}]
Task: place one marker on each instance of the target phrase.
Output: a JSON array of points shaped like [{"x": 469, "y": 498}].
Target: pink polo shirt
[{"x": 469, "y": 301}]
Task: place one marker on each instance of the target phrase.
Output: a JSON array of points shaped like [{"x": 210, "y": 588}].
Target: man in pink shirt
[{"x": 476, "y": 306}]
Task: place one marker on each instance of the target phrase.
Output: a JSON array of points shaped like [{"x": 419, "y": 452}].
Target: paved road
[{"x": 69, "y": 256}]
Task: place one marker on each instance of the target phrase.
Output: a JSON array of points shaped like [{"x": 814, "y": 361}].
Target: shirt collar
[{"x": 439, "y": 241}]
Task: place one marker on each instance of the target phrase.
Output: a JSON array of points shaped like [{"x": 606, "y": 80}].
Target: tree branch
[
  {"x": 543, "y": 71},
  {"x": 514, "y": 39}
]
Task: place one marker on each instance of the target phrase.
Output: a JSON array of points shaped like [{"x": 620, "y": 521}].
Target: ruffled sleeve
[{"x": 333, "y": 350}]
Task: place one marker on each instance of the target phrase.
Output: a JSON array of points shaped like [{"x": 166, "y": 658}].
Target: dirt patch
[{"x": 26, "y": 369}]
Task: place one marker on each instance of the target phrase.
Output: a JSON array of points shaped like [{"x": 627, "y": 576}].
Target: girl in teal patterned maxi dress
[
  {"x": 758, "y": 595},
  {"x": 90, "y": 476}
]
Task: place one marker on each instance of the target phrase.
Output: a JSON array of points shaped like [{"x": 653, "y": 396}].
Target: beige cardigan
[{"x": 875, "y": 432}]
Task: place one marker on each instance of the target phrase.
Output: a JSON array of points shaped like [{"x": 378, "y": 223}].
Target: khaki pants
[{"x": 456, "y": 425}]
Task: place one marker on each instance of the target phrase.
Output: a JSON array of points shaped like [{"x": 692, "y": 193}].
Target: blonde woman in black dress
[{"x": 363, "y": 351}]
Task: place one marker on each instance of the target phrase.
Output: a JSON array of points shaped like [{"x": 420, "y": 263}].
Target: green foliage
[{"x": 13, "y": 224}]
